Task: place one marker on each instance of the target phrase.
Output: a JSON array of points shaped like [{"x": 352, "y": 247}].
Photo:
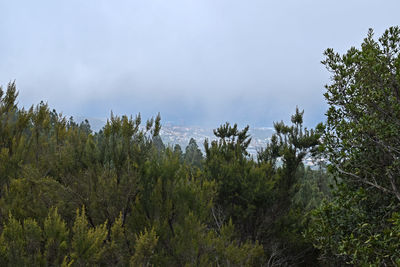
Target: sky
[{"x": 200, "y": 62}]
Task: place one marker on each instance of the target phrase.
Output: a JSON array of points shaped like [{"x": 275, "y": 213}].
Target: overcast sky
[{"x": 199, "y": 62}]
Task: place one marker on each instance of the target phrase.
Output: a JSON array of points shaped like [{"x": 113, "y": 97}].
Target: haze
[{"x": 196, "y": 62}]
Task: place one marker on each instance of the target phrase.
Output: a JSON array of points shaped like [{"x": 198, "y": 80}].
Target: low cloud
[{"x": 196, "y": 62}]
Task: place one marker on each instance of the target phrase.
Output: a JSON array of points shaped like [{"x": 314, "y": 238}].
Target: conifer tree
[{"x": 193, "y": 155}]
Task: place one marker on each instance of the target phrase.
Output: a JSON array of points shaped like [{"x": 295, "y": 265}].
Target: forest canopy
[{"x": 120, "y": 197}]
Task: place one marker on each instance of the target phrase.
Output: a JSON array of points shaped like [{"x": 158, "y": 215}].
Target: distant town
[{"x": 172, "y": 134}]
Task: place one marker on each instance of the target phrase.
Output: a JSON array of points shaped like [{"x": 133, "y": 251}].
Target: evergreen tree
[
  {"x": 360, "y": 225},
  {"x": 118, "y": 196},
  {"x": 193, "y": 155}
]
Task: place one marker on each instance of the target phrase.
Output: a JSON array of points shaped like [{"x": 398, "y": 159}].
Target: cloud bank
[{"x": 197, "y": 62}]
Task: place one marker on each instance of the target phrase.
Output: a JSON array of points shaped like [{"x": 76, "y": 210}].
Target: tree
[
  {"x": 118, "y": 196},
  {"x": 292, "y": 144},
  {"x": 20, "y": 243},
  {"x": 87, "y": 243},
  {"x": 286, "y": 216},
  {"x": 363, "y": 120},
  {"x": 227, "y": 165},
  {"x": 13, "y": 138},
  {"x": 362, "y": 144},
  {"x": 178, "y": 152},
  {"x": 193, "y": 155},
  {"x": 258, "y": 196},
  {"x": 56, "y": 235},
  {"x": 144, "y": 248}
]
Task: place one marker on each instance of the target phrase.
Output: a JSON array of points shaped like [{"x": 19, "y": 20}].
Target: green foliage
[
  {"x": 363, "y": 118},
  {"x": 87, "y": 243},
  {"x": 261, "y": 198},
  {"x": 119, "y": 197},
  {"x": 359, "y": 225},
  {"x": 144, "y": 248},
  {"x": 193, "y": 155},
  {"x": 118, "y": 252},
  {"x": 55, "y": 233},
  {"x": 230, "y": 252},
  {"x": 20, "y": 243},
  {"x": 241, "y": 185},
  {"x": 356, "y": 229}
]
